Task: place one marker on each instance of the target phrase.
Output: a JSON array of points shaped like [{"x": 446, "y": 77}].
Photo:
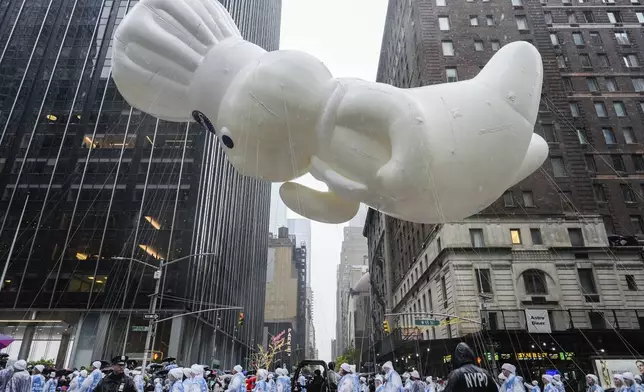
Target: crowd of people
[{"x": 123, "y": 376}]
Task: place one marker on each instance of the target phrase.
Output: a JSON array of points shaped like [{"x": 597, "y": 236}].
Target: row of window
[
  {"x": 611, "y": 84},
  {"x": 630, "y": 60},
  {"x": 600, "y": 108},
  {"x": 535, "y": 282},
  {"x": 628, "y": 193},
  {"x": 621, "y": 37},
  {"x": 445, "y": 25},
  {"x": 448, "y": 46},
  {"x": 569, "y": 2},
  {"x": 478, "y": 240},
  {"x": 614, "y": 17}
]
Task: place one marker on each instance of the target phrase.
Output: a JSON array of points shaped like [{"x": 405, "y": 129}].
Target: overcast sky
[{"x": 346, "y": 36}]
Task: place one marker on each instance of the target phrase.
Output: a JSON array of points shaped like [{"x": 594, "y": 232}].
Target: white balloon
[{"x": 431, "y": 154}]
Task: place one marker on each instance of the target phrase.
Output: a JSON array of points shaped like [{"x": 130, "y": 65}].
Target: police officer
[{"x": 117, "y": 381}]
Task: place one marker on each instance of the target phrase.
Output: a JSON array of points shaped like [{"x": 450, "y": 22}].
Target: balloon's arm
[
  {"x": 334, "y": 180},
  {"x": 326, "y": 207}
]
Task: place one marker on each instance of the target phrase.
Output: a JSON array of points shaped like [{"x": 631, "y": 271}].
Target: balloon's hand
[
  {"x": 159, "y": 46},
  {"x": 326, "y": 207}
]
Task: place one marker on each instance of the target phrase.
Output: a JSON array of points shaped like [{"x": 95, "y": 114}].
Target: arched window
[{"x": 535, "y": 282}]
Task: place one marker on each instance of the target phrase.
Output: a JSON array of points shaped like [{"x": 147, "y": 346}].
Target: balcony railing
[{"x": 566, "y": 320}]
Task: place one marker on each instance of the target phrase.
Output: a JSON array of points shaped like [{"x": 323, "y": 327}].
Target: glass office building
[{"x": 88, "y": 185}]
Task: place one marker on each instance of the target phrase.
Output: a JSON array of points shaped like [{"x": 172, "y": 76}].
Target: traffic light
[
  {"x": 240, "y": 321},
  {"x": 385, "y": 326}
]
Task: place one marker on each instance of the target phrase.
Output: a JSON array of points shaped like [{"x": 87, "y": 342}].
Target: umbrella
[{"x": 5, "y": 341}]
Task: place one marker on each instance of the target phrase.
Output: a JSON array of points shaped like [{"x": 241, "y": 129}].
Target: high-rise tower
[{"x": 104, "y": 185}]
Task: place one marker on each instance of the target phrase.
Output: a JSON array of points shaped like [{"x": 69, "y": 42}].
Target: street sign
[
  {"x": 427, "y": 323},
  {"x": 150, "y": 316},
  {"x": 139, "y": 328}
]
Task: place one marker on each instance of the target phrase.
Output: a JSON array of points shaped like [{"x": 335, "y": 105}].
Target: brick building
[{"x": 591, "y": 114}]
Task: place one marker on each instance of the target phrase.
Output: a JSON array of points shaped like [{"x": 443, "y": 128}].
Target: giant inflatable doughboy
[{"x": 430, "y": 154}]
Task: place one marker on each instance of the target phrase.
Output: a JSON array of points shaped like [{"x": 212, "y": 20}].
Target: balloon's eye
[
  {"x": 228, "y": 142},
  {"x": 202, "y": 120}
]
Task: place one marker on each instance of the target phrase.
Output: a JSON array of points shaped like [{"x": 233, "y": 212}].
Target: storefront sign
[
  {"x": 607, "y": 368},
  {"x": 538, "y": 321},
  {"x": 140, "y": 328}
]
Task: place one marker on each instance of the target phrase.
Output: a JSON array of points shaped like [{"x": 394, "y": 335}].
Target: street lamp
[{"x": 152, "y": 316}]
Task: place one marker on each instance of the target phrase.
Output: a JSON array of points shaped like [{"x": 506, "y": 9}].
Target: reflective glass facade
[{"x": 99, "y": 180}]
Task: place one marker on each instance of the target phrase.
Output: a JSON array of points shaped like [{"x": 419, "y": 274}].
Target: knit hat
[
  {"x": 40, "y": 368},
  {"x": 238, "y": 368},
  {"x": 415, "y": 374},
  {"x": 346, "y": 367},
  {"x": 509, "y": 367},
  {"x": 547, "y": 377},
  {"x": 20, "y": 365},
  {"x": 628, "y": 376}
]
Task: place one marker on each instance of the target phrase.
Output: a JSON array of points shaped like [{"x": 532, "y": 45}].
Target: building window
[
  {"x": 448, "y": 48},
  {"x": 589, "y": 18},
  {"x": 600, "y": 195},
  {"x": 554, "y": 40},
  {"x": 587, "y": 282},
  {"x": 595, "y": 38},
  {"x": 581, "y": 135},
  {"x": 535, "y": 282},
  {"x": 629, "y": 135},
  {"x": 576, "y": 237},
  {"x": 620, "y": 109},
  {"x": 630, "y": 61},
  {"x": 638, "y": 162},
  {"x": 614, "y": 17},
  {"x": 536, "y": 237},
  {"x": 622, "y": 38},
  {"x": 618, "y": 163},
  {"x": 585, "y": 61},
  {"x": 561, "y": 61},
  {"x": 611, "y": 84},
  {"x": 476, "y": 236},
  {"x": 452, "y": 75},
  {"x": 522, "y": 23},
  {"x": 496, "y": 45},
  {"x": 568, "y": 86},
  {"x": 638, "y": 84},
  {"x": 578, "y": 38},
  {"x": 516, "y": 3},
  {"x": 478, "y": 46},
  {"x": 443, "y": 23},
  {"x": 593, "y": 86},
  {"x": 508, "y": 200},
  {"x": 603, "y": 60},
  {"x": 483, "y": 280},
  {"x": 549, "y": 133},
  {"x": 609, "y": 135},
  {"x": 572, "y": 19},
  {"x": 590, "y": 164},
  {"x": 515, "y": 236},
  {"x": 640, "y": 17},
  {"x": 558, "y": 168},
  {"x": 631, "y": 283},
  {"x": 608, "y": 224},
  {"x": 528, "y": 200},
  {"x": 474, "y": 20},
  {"x": 600, "y": 109},
  {"x": 627, "y": 192},
  {"x": 574, "y": 109},
  {"x": 489, "y": 20},
  {"x": 441, "y": 3},
  {"x": 637, "y": 224},
  {"x": 597, "y": 320},
  {"x": 548, "y": 17},
  {"x": 444, "y": 289}
]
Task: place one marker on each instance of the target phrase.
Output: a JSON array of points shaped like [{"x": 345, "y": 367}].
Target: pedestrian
[
  {"x": 37, "y": 379},
  {"x": 117, "y": 381},
  {"x": 618, "y": 380},
  {"x": 90, "y": 383},
  {"x": 629, "y": 382},
  {"x": 187, "y": 382},
  {"x": 238, "y": 382},
  {"x": 511, "y": 383},
  {"x": 20, "y": 380},
  {"x": 378, "y": 383},
  {"x": 393, "y": 382},
  {"x": 52, "y": 383},
  {"x": 260, "y": 381},
  {"x": 348, "y": 381},
  {"x": 466, "y": 376},
  {"x": 175, "y": 378}
]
